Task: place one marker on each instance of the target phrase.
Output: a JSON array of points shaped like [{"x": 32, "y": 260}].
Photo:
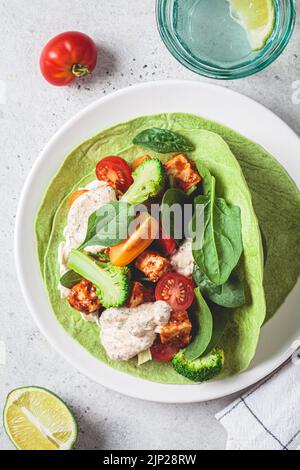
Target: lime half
[
  {"x": 35, "y": 419},
  {"x": 257, "y": 17}
]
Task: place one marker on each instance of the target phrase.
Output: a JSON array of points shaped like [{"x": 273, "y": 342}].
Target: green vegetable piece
[
  {"x": 70, "y": 279},
  {"x": 202, "y": 369},
  {"x": 229, "y": 295},
  {"x": 163, "y": 141},
  {"x": 149, "y": 179},
  {"x": 221, "y": 246},
  {"x": 207, "y": 182},
  {"x": 144, "y": 356},
  {"x": 174, "y": 222},
  {"x": 112, "y": 282},
  {"x": 191, "y": 190},
  {"x": 171, "y": 181},
  {"x": 103, "y": 257},
  {"x": 109, "y": 225},
  {"x": 221, "y": 318},
  {"x": 204, "y": 320},
  {"x": 264, "y": 245}
]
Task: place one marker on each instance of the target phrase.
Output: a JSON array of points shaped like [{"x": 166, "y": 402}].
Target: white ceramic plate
[{"x": 213, "y": 102}]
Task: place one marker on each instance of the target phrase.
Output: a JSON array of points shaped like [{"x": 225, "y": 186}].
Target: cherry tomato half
[
  {"x": 163, "y": 352},
  {"x": 68, "y": 56},
  {"x": 176, "y": 290},
  {"x": 116, "y": 172}
]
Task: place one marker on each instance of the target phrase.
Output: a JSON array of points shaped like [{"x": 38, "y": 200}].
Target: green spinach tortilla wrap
[{"x": 247, "y": 176}]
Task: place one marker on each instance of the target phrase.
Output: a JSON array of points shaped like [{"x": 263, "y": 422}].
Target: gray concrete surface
[{"x": 130, "y": 52}]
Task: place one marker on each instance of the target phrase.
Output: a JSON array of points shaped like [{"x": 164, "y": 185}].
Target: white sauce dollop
[
  {"x": 99, "y": 194},
  {"x": 80, "y": 212},
  {"x": 125, "y": 332},
  {"x": 182, "y": 261}
]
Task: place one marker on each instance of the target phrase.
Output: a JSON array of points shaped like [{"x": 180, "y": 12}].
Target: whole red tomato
[{"x": 68, "y": 56}]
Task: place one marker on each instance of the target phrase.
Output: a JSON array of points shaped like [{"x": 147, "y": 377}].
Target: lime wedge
[
  {"x": 257, "y": 17},
  {"x": 35, "y": 419}
]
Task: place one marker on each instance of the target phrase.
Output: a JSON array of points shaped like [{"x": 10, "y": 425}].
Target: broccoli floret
[
  {"x": 111, "y": 282},
  {"x": 201, "y": 369},
  {"x": 149, "y": 178}
]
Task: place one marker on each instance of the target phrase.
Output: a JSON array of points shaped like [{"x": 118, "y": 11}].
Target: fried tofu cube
[
  {"x": 83, "y": 297},
  {"x": 178, "y": 330},
  {"x": 152, "y": 264},
  {"x": 140, "y": 295},
  {"x": 183, "y": 172}
]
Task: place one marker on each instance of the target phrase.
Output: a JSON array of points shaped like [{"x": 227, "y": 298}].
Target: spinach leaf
[
  {"x": 204, "y": 323},
  {"x": 207, "y": 178},
  {"x": 176, "y": 213},
  {"x": 109, "y": 225},
  {"x": 221, "y": 318},
  {"x": 163, "y": 141},
  {"x": 264, "y": 245},
  {"x": 218, "y": 245},
  {"x": 229, "y": 295},
  {"x": 70, "y": 279}
]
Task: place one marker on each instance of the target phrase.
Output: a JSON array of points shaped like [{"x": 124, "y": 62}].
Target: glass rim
[{"x": 207, "y": 69}]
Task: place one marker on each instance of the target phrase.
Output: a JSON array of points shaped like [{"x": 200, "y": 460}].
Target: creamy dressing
[
  {"x": 80, "y": 212},
  {"x": 126, "y": 332},
  {"x": 182, "y": 261},
  {"x": 94, "y": 185},
  {"x": 99, "y": 193}
]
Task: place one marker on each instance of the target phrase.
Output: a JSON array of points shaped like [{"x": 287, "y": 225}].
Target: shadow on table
[
  {"x": 90, "y": 436},
  {"x": 106, "y": 66}
]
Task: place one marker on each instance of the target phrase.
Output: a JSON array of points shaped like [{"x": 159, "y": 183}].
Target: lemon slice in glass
[
  {"x": 257, "y": 17},
  {"x": 35, "y": 419}
]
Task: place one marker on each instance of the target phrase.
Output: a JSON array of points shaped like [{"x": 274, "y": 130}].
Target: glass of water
[{"x": 210, "y": 39}]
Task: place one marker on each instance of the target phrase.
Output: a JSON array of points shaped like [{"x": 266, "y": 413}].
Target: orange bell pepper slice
[
  {"x": 143, "y": 234},
  {"x": 139, "y": 160},
  {"x": 76, "y": 195}
]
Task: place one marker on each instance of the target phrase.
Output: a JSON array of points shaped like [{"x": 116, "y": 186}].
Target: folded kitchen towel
[{"x": 268, "y": 416}]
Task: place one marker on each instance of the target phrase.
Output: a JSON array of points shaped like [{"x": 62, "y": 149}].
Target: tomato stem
[{"x": 80, "y": 70}]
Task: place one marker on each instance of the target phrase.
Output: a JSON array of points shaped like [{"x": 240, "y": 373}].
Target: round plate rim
[{"x": 130, "y": 385}]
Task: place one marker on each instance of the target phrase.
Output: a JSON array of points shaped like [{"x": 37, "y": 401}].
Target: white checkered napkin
[{"x": 268, "y": 416}]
